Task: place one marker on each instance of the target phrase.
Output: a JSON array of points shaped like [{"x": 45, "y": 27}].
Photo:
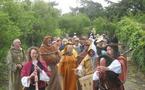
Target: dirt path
[{"x": 136, "y": 80}]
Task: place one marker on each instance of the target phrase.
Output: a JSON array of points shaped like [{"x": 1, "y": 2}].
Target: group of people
[{"x": 59, "y": 63}]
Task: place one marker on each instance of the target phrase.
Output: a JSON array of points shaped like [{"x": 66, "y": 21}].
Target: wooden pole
[{"x": 36, "y": 80}]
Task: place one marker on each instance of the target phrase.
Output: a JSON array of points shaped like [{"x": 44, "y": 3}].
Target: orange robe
[{"x": 67, "y": 66}]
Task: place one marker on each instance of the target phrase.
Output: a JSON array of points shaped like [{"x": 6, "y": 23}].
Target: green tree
[
  {"x": 90, "y": 8},
  {"x": 8, "y": 32},
  {"x": 130, "y": 32},
  {"x": 74, "y": 23},
  {"x": 103, "y": 25},
  {"x": 124, "y": 8}
]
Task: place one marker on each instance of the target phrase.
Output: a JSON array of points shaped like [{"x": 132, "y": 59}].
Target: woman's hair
[
  {"x": 93, "y": 52},
  {"x": 66, "y": 50},
  {"x": 29, "y": 52},
  {"x": 116, "y": 52}
]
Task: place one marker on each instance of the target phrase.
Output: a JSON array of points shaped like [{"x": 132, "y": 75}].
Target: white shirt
[{"x": 115, "y": 66}]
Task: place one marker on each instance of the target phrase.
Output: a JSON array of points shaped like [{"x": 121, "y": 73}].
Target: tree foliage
[
  {"x": 124, "y": 8},
  {"x": 90, "y": 8},
  {"x": 132, "y": 34},
  {"x": 74, "y": 23},
  {"x": 103, "y": 25}
]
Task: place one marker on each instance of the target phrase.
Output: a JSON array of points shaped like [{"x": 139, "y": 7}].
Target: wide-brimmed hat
[{"x": 100, "y": 39}]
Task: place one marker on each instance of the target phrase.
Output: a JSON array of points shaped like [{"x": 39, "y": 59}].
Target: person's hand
[
  {"x": 102, "y": 68},
  {"x": 33, "y": 74},
  {"x": 18, "y": 66},
  {"x": 79, "y": 72},
  {"x": 38, "y": 68}
]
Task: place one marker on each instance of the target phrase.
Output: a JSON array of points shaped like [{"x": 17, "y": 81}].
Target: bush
[{"x": 130, "y": 32}]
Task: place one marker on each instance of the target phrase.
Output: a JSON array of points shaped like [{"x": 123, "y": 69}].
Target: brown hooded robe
[{"x": 51, "y": 57}]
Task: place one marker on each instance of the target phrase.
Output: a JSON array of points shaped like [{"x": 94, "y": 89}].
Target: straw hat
[{"x": 100, "y": 39}]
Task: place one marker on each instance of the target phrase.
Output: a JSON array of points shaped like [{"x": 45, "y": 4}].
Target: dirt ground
[{"x": 136, "y": 79}]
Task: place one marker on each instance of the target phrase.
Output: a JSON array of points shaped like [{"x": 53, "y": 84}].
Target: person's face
[
  {"x": 59, "y": 42},
  {"x": 91, "y": 53},
  {"x": 34, "y": 53},
  {"x": 109, "y": 51},
  {"x": 64, "y": 42},
  {"x": 104, "y": 44},
  {"x": 49, "y": 41},
  {"x": 18, "y": 44}
]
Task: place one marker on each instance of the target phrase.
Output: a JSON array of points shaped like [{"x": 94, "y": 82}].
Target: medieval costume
[
  {"x": 108, "y": 79},
  {"x": 88, "y": 64},
  {"x": 67, "y": 65},
  {"x": 84, "y": 48},
  {"x": 77, "y": 45},
  {"x": 15, "y": 59},
  {"x": 34, "y": 74},
  {"x": 64, "y": 42},
  {"x": 107, "y": 74},
  {"x": 26, "y": 72},
  {"x": 50, "y": 55}
]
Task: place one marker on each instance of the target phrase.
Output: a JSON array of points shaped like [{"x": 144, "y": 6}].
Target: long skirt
[{"x": 108, "y": 80}]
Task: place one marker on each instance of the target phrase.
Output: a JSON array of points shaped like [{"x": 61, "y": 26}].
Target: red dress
[{"x": 28, "y": 68}]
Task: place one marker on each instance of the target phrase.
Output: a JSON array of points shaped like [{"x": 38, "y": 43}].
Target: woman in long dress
[
  {"x": 67, "y": 65},
  {"x": 34, "y": 74},
  {"x": 106, "y": 76}
]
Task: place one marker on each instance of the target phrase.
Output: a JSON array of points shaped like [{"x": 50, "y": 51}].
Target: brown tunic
[{"x": 50, "y": 56}]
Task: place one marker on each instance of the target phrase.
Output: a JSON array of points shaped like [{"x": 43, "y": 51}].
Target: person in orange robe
[{"x": 68, "y": 63}]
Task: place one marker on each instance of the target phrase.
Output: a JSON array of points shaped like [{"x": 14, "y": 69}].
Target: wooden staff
[
  {"x": 36, "y": 79},
  {"x": 127, "y": 51}
]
